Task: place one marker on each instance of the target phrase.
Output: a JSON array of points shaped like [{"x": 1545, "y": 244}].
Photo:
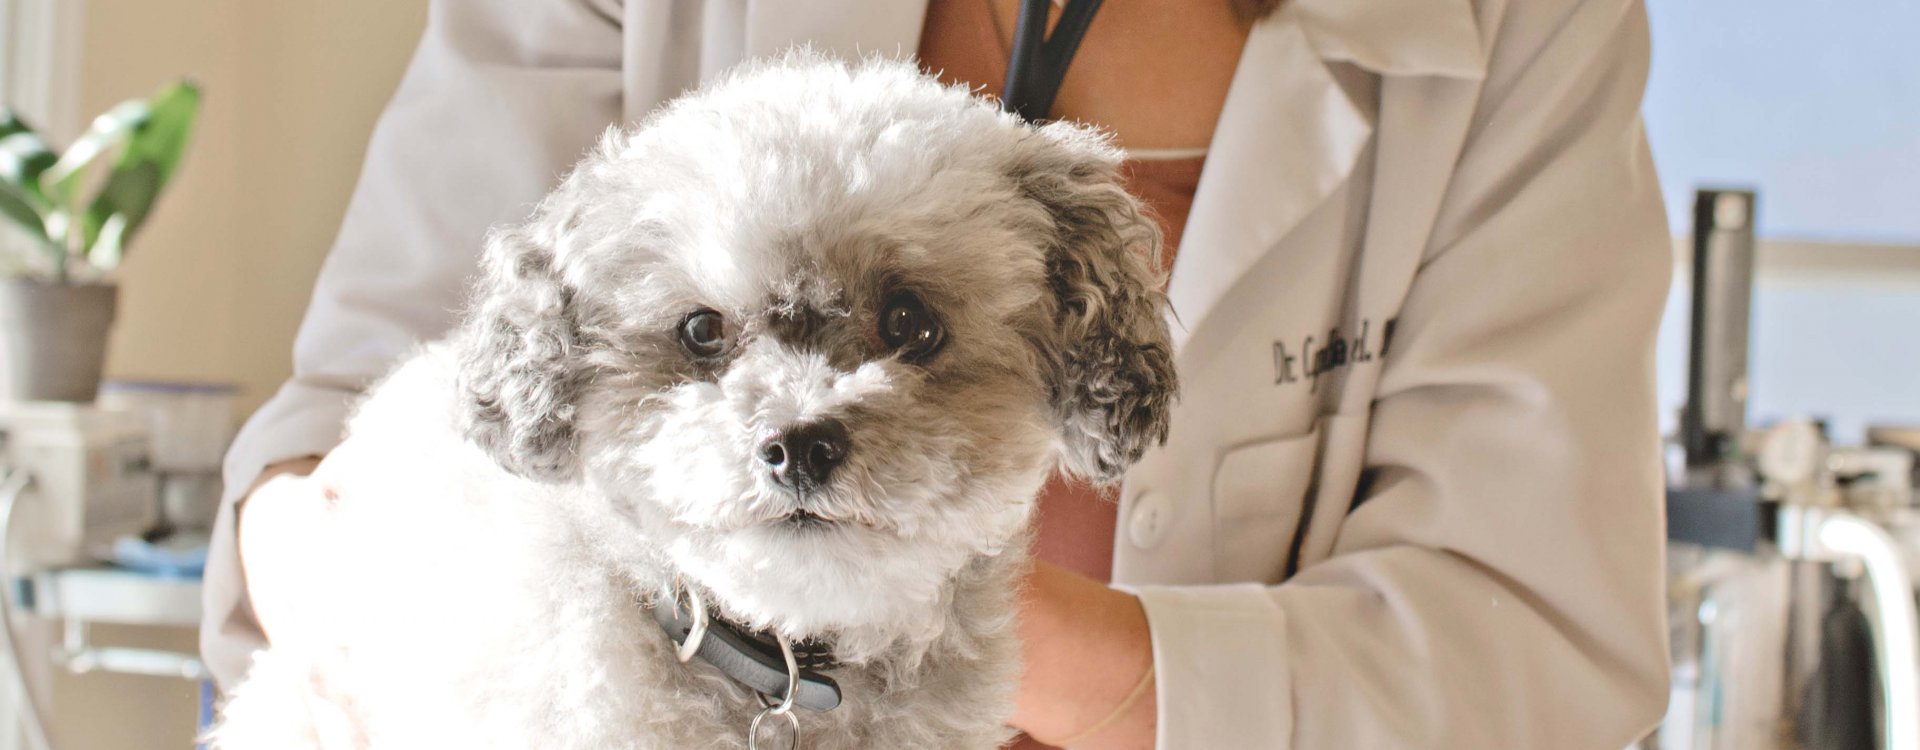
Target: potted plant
[{"x": 77, "y": 213}]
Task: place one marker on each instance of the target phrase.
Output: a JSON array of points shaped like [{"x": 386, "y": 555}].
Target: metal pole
[{"x": 1716, "y": 411}]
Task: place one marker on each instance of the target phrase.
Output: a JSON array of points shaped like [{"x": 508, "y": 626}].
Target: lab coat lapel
[
  {"x": 1288, "y": 136},
  {"x": 848, "y": 28},
  {"x": 1396, "y": 37},
  {"x": 672, "y": 47}
]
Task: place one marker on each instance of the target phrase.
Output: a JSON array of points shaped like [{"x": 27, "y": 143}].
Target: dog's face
[{"x": 819, "y": 331}]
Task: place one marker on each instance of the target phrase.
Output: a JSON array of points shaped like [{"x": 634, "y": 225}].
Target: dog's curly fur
[{"x": 507, "y": 497}]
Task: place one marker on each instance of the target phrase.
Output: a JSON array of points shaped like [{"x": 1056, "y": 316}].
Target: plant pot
[{"x": 53, "y": 339}]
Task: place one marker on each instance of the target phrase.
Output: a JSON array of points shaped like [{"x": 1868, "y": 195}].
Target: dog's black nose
[{"x": 804, "y": 455}]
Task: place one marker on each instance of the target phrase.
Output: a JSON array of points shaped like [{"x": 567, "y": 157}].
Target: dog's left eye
[
  {"x": 704, "y": 334},
  {"x": 907, "y": 327}
]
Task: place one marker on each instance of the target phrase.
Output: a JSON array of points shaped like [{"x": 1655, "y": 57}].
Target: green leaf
[
  {"x": 152, "y": 153},
  {"x": 61, "y": 182},
  {"x": 19, "y": 209},
  {"x": 11, "y": 123},
  {"x": 24, "y": 156},
  {"x": 108, "y": 249}
]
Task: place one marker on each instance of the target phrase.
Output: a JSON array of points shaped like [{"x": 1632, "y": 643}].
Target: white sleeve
[
  {"x": 501, "y": 98},
  {"x": 1500, "y": 584}
]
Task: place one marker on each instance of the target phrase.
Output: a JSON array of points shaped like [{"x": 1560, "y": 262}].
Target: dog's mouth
[
  {"x": 812, "y": 520},
  {"x": 806, "y": 520}
]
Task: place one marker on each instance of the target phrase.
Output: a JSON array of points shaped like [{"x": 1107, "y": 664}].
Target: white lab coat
[{"x": 1481, "y": 562}]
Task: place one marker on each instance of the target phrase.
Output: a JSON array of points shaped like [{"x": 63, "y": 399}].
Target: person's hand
[
  {"x": 1087, "y": 648},
  {"x": 281, "y": 523},
  {"x": 285, "y": 525}
]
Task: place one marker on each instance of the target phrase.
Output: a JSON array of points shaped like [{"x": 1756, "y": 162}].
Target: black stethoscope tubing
[
  {"x": 1039, "y": 62},
  {"x": 1034, "y": 72}
]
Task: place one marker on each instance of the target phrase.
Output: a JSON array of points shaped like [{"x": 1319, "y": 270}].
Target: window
[
  {"x": 40, "y": 77},
  {"x": 40, "y": 62},
  {"x": 1816, "y": 106}
]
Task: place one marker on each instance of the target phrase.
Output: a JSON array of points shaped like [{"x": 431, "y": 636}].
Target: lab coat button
[{"x": 1147, "y": 524}]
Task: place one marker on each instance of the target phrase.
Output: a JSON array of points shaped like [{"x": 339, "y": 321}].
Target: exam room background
[
  {"x": 215, "y": 287},
  {"x": 1816, "y": 104}
]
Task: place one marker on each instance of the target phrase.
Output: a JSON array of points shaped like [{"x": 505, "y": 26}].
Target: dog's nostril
[
  {"x": 824, "y": 452},
  {"x": 803, "y": 455},
  {"x": 773, "y": 453}
]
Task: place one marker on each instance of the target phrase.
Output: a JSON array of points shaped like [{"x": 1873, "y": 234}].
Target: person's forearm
[{"x": 1088, "y": 651}]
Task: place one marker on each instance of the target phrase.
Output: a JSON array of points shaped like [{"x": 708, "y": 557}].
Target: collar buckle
[{"x": 779, "y": 670}]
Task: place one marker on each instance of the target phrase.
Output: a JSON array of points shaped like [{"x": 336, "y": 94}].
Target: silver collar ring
[
  {"x": 698, "y": 633},
  {"x": 691, "y": 646},
  {"x": 753, "y": 729},
  {"x": 793, "y": 677},
  {"x": 785, "y": 706}
]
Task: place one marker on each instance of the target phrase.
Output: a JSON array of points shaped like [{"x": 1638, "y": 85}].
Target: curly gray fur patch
[
  {"x": 1109, "y": 353},
  {"x": 517, "y": 361}
]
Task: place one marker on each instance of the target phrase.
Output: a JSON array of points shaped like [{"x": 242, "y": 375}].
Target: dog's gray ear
[
  {"x": 518, "y": 364},
  {"x": 1108, "y": 355}
]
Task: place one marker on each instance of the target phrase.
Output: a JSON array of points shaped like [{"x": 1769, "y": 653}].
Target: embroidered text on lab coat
[{"x": 1320, "y": 355}]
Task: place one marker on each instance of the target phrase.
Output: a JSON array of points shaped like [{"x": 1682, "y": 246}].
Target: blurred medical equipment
[
  {"x": 1792, "y": 564},
  {"x": 92, "y": 472},
  {"x": 190, "y": 424},
  {"x": 82, "y": 489},
  {"x": 1716, "y": 410}
]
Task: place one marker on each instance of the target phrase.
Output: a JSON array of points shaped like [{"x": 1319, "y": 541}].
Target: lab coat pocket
[{"x": 1258, "y": 490}]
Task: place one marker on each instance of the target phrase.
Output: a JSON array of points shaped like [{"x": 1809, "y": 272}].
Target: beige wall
[{"x": 215, "y": 286}]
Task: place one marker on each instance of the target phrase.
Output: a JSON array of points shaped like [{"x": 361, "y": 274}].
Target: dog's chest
[
  {"x": 598, "y": 672},
  {"x": 946, "y": 702}
]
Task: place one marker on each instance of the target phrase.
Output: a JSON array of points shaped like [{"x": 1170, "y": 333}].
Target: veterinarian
[{"x": 1412, "y": 493}]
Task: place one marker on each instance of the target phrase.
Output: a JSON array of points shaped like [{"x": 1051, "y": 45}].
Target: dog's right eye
[
  {"x": 704, "y": 334},
  {"x": 909, "y": 328}
]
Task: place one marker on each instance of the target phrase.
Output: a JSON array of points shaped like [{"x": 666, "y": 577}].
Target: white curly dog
[{"x": 796, "y": 353}]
